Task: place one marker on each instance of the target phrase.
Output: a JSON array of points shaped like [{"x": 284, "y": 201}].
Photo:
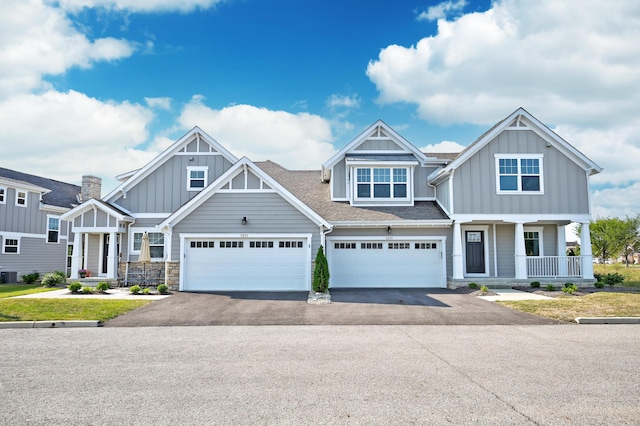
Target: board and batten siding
[
  {"x": 443, "y": 195},
  {"x": 165, "y": 189},
  {"x": 30, "y": 219},
  {"x": 420, "y": 187},
  {"x": 506, "y": 249},
  {"x": 339, "y": 180},
  {"x": 266, "y": 213},
  {"x": 565, "y": 182}
]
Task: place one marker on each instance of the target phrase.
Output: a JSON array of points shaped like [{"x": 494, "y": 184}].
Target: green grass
[
  {"x": 11, "y": 290},
  {"x": 631, "y": 274},
  {"x": 65, "y": 309},
  {"x": 602, "y": 304}
]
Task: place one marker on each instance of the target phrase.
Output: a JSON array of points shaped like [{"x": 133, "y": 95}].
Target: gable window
[
  {"x": 381, "y": 182},
  {"x": 3, "y": 192},
  {"x": 11, "y": 246},
  {"x": 156, "y": 244},
  {"x": 196, "y": 178},
  {"x": 53, "y": 229},
  {"x": 21, "y": 198},
  {"x": 519, "y": 173},
  {"x": 533, "y": 241}
]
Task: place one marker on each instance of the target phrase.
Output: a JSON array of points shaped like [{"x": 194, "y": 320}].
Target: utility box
[{"x": 8, "y": 277}]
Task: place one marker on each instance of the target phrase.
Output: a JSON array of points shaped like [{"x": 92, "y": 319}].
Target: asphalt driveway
[{"x": 348, "y": 307}]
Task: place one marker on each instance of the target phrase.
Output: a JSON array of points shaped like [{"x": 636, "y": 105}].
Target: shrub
[
  {"x": 473, "y": 285},
  {"x": 31, "y": 278},
  {"x": 135, "y": 289},
  {"x": 102, "y": 286},
  {"x": 74, "y": 287},
  {"x": 484, "y": 288},
  {"x": 52, "y": 279},
  {"x": 569, "y": 288},
  {"x": 599, "y": 284},
  {"x": 598, "y": 276},
  {"x": 321, "y": 273},
  {"x": 550, "y": 287},
  {"x": 62, "y": 274},
  {"x": 612, "y": 279},
  {"x": 535, "y": 284},
  {"x": 87, "y": 290},
  {"x": 146, "y": 291},
  {"x": 163, "y": 289}
]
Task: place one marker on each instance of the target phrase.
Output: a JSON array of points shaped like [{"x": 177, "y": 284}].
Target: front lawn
[
  {"x": 631, "y": 273},
  {"x": 65, "y": 309},
  {"x": 11, "y": 290},
  {"x": 568, "y": 308}
]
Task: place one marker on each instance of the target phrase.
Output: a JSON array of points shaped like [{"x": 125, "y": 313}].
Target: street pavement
[{"x": 347, "y": 375}]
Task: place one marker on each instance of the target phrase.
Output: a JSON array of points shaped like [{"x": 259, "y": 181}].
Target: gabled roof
[
  {"x": 522, "y": 119},
  {"x": 225, "y": 178},
  {"x": 190, "y": 136},
  {"x": 55, "y": 193},
  {"x": 388, "y": 132},
  {"x": 99, "y": 205}
]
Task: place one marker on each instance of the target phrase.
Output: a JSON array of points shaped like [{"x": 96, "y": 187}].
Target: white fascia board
[
  {"x": 521, "y": 218},
  {"x": 90, "y": 205},
  {"x": 166, "y": 154},
  {"x": 380, "y": 163},
  {"x": 56, "y": 209},
  {"x": 18, "y": 184},
  {"x": 392, "y": 223}
]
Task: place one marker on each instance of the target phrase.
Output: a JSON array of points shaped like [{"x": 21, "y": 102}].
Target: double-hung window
[
  {"x": 53, "y": 229},
  {"x": 3, "y": 195},
  {"x": 519, "y": 173},
  {"x": 381, "y": 182},
  {"x": 21, "y": 198},
  {"x": 156, "y": 243},
  {"x": 196, "y": 178}
]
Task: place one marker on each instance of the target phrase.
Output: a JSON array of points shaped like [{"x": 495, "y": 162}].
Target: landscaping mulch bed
[{"x": 581, "y": 290}]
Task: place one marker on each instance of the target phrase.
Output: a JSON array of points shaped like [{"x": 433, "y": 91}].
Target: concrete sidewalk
[
  {"x": 113, "y": 293},
  {"x": 503, "y": 294}
]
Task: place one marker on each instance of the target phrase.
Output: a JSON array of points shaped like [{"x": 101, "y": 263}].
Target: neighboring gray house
[
  {"x": 387, "y": 214},
  {"x": 32, "y": 237}
]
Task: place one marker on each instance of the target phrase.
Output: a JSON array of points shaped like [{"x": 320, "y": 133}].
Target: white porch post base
[
  {"x": 585, "y": 252},
  {"x": 76, "y": 256},
  {"x": 458, "y": 271},
  {"x": 520, "y": 253}
]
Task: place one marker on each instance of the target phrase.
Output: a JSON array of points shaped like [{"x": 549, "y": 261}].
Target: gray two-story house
[{"x": 387, "y": 214}]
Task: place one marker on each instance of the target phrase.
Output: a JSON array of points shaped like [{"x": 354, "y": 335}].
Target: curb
[
  {"x": 608, "y": 320},
  {"x": 49, "y": 324}
]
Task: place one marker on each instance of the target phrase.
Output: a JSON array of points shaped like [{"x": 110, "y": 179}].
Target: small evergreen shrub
[
  {"x": 599, "y": 284},
  {"x": 321, "y": 273},
  {"x": 135, "y": 289},
  {"x": 146, "y": 291},
  {"x": 87, "y": 290},
  {"x": 74, "y": 287},
  {"x": 598, "y": 276},
  {"x": 535, "y": 284},
  {"x": 612, "y": 279},
  {"x": 52, "y": 279},
  {"x": 484, "y": 289},
  {"x": 473, "y": 285},
  {"x": 550, "y": 287},
  {"x": 569, "y": 288},
  {"x": 163, "y": 289},
  {"x": 62, "y": 274},
  {"x": 102, "y": 286},
  {"x": 31, "y": 278}
]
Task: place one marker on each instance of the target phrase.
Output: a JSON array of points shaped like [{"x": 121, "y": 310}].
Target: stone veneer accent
[
  {"x": 172, "y": 275},
  {"x": 91, "y": 188}
]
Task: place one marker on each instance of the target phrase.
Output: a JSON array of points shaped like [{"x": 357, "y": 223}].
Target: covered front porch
[{"x": 518, "y": 251}]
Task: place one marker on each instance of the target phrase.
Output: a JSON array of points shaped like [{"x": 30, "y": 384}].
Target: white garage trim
[
  {"x": 187, "y": 237},
  {"x": 440, "y": 240}
]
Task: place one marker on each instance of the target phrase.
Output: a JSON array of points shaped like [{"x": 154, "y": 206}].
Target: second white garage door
[
  {"x": 246, "y": 264},
  {"x": 386, "y": 264}
]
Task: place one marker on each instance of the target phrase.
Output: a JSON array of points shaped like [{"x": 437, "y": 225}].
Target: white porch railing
[{"x": 554, "y": 266}]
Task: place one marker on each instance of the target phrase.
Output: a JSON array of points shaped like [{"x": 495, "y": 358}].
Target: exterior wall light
[{"x": 244, "y": 220}]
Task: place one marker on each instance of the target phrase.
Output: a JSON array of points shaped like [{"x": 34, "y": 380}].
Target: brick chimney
[{"x": 91, "y": 188}]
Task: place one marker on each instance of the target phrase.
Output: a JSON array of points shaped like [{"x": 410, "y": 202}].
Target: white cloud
[
  {"x": 161, "y": 103},
  {"x": 444, "y": 146},
  {"x": 441, "y": 10},
  {"x": 296, "y": 141},
  {"x": 65, "y": 135},
  {"x": 343, "y": 101},
  {"x": 575, "y": 68},
  {"x": 140, "y": 5},
  {"x": 37, "y": 39}
]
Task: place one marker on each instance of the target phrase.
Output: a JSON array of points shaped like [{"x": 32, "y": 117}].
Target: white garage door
[
  {"x": 246, "y": 264},
  {"x": 386, "y": 264}
]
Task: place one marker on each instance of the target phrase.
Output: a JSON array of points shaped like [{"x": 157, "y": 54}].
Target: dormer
[{"x": 378, "y": 168}]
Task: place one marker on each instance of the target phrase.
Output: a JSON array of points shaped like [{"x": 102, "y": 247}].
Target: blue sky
[{"x": 102, "y": 86}]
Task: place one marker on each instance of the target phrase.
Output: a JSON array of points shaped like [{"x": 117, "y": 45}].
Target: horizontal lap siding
[
  {"x": 36, "y": 254},
  {"x": 265, "y": 212}
]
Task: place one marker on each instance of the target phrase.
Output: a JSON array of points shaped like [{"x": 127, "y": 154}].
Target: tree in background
[{"x": 613, "y": 237}]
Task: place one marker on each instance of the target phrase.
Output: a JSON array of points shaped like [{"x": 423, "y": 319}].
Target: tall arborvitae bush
[{"x": 321, "y": 273}]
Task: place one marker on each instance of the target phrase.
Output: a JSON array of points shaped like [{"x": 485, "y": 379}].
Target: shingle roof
[
  {"x": 308, "y": 187},
  {"x": 61, "y": 194}
]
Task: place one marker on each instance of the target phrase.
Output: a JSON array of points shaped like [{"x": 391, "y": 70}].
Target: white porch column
[
  {"x": 520, "y": 253},
  {"x": 76, "y": 255},
  {"x": 562, "y": 251},
  {"x": 112, "y": 256},
  {"x": 585, "y": 252},
  {"x": 458, "y": 271}
]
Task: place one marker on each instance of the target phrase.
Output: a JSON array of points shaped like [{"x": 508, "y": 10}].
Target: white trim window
[
  {"x": 380, "y": 183},
  {"x": 11, "y": 246},
  {"x": 533, "y": 241},
  {"x": 3, "y": 195},
  {"x": 156, "y": 243},
  {"x": 197, "y": 178},
  {"x": 21, "y": 198},
  {"x": 519, "y": 173},
  {"x": 53, "y": 229}
]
